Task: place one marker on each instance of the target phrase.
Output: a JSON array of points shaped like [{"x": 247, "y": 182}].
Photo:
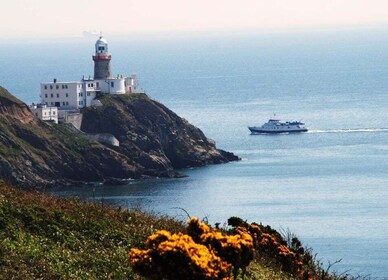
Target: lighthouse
[
  {"x": 102, "y": 69},
  {"x": 59, "y": 98}
]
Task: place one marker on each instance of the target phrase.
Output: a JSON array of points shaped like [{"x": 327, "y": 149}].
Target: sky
[{"x": 45, "y": 18}]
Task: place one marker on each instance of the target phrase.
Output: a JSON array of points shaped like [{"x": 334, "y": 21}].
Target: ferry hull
[{"x": 266, "y": 131}]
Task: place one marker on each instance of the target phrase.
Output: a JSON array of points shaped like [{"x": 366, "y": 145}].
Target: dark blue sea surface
[{"x": 328, "y": 186}]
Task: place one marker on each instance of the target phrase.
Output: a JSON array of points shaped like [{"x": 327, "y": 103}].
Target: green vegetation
[
  {"x": 5, "y": 94},
  {"x": 44, "y": 237},
  {"x": 107, "y": 100},
  {"x": 51, "y": 238}
]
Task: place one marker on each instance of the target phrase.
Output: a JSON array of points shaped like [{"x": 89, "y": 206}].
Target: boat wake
[{"x": 350, "y": 130}]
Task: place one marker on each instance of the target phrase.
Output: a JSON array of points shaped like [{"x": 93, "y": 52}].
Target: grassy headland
[{"x": 44, "y": 237}]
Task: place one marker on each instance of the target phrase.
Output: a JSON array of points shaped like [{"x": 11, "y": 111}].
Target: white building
[
  {"x": 45, "y": 113},
  {"x": 79, "y": 94},
  {"x": 68, "y": 95}
]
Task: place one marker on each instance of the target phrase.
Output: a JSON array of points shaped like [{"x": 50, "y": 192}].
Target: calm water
[{"x": 328, "y": 186}]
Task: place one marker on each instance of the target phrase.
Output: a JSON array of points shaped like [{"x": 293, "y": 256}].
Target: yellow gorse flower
[
  {"x": 177, "y": 256},
  {"x": 203, "y": 253}
]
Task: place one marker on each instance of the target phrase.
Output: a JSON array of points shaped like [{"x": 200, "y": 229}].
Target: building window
[
  {"x": 63, "y": 103},
  {"x": 52, "y": 103},
  {"x": 67, "y": 103},
  {"x": 98, "y": 84},
  {"x": 58, "y": 95},
  {"x": 53, "y": 113},
  {"x": 51, "y": 87},
  {"x": 67, "y": 95},
  {"x": 36, "y": 114},
  {"x": 88, "y": 93},
  {"x": 112, "y": 84},
  {"x": 63, "y": 86},
  {"x": 57, "y": 86},
  {"x": 46, "y": 95},
  {"x": 45, "y": 87},
  {"x": 52, "y": 95}
]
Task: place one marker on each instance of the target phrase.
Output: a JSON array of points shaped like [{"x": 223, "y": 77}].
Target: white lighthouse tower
[{"x": 102, "y": 68}]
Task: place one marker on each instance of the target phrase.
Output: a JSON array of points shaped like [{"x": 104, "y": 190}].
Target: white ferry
[{"x": 276, "y": 126}]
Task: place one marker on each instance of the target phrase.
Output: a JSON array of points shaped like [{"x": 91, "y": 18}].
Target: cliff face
[
  {"x": 152, "y": 135},
  {"x": 35, "y": 154},
  {"x": 153, "y": 142}
]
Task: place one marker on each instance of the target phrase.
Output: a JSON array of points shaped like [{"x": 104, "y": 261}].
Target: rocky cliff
[
  {"x": 154, "y": 142},
  {"x": 35, "y": 154},
  {"x": 152, "y": 135}
]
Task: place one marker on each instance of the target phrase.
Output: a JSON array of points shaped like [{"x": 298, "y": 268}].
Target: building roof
[{"x": 101, "y": 40}]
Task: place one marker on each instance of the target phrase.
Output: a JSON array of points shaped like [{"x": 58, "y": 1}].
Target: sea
[{"x": 328, "y": 186}]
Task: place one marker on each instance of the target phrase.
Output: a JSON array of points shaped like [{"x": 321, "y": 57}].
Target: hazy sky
[{"x": 70, "y": 17}]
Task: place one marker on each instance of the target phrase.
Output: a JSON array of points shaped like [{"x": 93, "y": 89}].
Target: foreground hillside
[
  {"x": 43, "y": 237},
  {"x": 50, "y": 238},
  {"x": 36, "y": 154}
]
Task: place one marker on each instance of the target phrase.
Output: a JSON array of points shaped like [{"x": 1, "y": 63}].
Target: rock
[
  {"x": 151, "y": 134},
  {"x": 154, "y": 142}
]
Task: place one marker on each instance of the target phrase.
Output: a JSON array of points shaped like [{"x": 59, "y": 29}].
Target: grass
[
  {"x": 50, "y": 238},
  {"x": 45, "y": 237}
]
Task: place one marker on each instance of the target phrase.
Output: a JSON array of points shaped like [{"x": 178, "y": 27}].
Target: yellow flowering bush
[
  {"x": 235, "y": 249},
  {"x": 273, "y": 246},
  {"x": 203, "y": 253},
  {"x": 177, "y": 256}
]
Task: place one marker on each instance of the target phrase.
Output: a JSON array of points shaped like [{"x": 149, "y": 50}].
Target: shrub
[
  {"x": 236, "y": 249},
  {"x": 203, "y": 253},
  {"x": 175, "y": 257}
]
